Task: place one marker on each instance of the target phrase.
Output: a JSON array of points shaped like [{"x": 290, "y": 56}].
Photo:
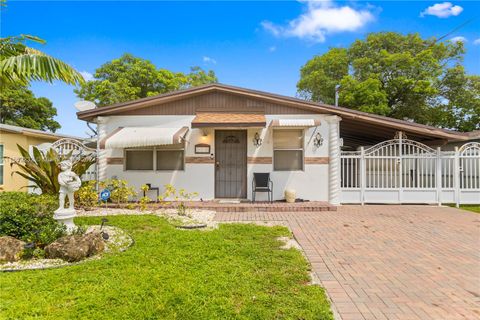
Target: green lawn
[
  {"x": 469, "y": 207},
  {"x": 472, "y": 207},
  {"x": 235, "y": 272}
]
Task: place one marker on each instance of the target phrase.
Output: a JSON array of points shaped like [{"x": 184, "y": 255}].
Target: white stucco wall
[{"x": 311, "y": 183}]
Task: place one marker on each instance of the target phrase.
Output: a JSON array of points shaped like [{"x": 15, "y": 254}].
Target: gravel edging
[
  {"x": 118, "y": 241},
  {"x": 191, "y": 220}
]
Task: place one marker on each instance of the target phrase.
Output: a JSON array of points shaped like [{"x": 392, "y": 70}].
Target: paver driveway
[{"x": 390, "y": 262}]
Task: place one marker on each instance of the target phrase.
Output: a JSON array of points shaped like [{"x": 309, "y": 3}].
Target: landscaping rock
[
  {"x": 74, "y": 248},
  {"x": 10, "y": 249}
]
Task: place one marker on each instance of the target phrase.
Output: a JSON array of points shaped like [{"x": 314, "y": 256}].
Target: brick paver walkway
[{"x": 390, "y": 262}]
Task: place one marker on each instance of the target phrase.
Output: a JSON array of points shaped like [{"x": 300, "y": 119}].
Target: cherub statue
[{"x": 69, "y": 183}]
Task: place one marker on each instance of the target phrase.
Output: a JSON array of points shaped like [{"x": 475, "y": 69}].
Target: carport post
[
  {"x": 438, "y": 176},
  {"x": 456, "y": 177},
  {"x": 362, "y": 175}
]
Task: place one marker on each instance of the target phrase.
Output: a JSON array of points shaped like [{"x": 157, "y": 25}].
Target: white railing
[{"x": 405, "y": 171}]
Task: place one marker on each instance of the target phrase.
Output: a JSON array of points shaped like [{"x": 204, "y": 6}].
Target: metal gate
[{"x": 405, "y": 171}]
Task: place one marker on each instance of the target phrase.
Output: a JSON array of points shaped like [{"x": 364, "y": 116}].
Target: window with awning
[
  {"x": 288, "y": 150},
  {"x": 158, "y": 158}
]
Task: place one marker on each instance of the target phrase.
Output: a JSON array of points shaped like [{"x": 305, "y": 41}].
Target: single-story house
[
  {"x": 211, "y": 139},
  {"x": 10, "y": 136}
]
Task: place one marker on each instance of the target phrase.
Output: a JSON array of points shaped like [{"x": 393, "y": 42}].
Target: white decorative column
[
  {"x": 101, "y": 152},
  {"x": 334, "y": 162}
]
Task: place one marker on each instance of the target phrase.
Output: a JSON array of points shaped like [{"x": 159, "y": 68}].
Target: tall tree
[
  {"x": 20, "y": 64},
  {"x": 400, "y": 76},
  {"x": 19, "y": 106},
  {"x": 130, "y": 77}
]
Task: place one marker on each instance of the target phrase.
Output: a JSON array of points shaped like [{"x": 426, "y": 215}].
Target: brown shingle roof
[{"x": 228, "y": 120}]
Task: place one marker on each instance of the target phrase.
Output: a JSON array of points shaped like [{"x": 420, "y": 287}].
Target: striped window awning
[
  {"x": 131, "y": 137},
  {"x": 295, "y": 123}
]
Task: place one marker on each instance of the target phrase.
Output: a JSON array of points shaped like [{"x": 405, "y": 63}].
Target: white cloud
[
  {"x": 476, "y": 41},
  {"x": 209, "y": 60},
  {"x": 442, "y": 10},
  {"x": 459, "y": 39},
  {"x": 272, "y": 49},
  {"x": 273, "y": 29},
  {"x": 320, "y": 19},
  {"x": 86, "y": 75}
]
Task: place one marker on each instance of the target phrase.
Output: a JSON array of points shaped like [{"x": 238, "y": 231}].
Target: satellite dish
[{"x": 84, "y": 105}]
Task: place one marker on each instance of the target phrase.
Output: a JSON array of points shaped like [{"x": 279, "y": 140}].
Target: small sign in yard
[{"x": 105, "y": 194}]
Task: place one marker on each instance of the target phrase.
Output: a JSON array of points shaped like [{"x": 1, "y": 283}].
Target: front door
[{"x": 230, "y": 163}]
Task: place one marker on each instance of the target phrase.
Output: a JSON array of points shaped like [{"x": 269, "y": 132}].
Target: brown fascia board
[{"x": 89, "y": 115}]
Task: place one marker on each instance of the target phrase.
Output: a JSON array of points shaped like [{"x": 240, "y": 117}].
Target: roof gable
[{"x": 212, "y": 101}]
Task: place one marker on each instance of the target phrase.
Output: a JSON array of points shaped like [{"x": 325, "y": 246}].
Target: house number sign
[{"x": 202, "y": 148}]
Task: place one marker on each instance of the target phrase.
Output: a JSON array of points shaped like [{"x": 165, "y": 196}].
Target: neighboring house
[
  {"x": 211, "y": 139},
  {"x": 10, "y": 136}
]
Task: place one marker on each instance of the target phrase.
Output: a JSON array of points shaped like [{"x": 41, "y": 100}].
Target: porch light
[
  {"x": 257, "y": 141},
  {"x": 204, "y": 136},
  {"x": 318, "y": 141}
]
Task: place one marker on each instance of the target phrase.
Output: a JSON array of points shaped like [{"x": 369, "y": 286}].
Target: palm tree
[{"x": 20, "y": 64}]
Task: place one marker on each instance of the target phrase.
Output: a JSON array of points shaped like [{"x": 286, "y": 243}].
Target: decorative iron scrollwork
[{"x": 231, "y": 139}]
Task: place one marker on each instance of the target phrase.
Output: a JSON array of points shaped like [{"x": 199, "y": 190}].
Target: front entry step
[
  {"x": 276, "y": 206},
  {"x": 228, "y": 201}
]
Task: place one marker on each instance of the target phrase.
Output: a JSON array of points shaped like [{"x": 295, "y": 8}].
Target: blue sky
[{"x": 259, "y": 45}]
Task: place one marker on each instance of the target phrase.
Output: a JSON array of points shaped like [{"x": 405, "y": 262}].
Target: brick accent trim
[
  {"x": 260, "y": 160},
  {"x": 114, "y": 160},
  {"x": 199, "y": 160},
  {"x": 317, "y": 160}
]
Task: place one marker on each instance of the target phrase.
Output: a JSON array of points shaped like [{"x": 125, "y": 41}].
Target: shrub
[
  {"x": 29, "y": 218},
  {"x": 144, "y": 200},
  {"x": 179, "y": 196},
  {"x": 86, "y": 197},
  {"x": 120, "y": 191}
]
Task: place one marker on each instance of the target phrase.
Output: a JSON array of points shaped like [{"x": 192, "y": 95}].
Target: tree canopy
[
  {"x": 129, "y": 77},
  {"x": 400, "y": 76},
  {"x": 20, "y": 107}
]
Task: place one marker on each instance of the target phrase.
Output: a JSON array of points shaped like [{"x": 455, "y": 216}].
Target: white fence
[{"x": 405, "y": 171}]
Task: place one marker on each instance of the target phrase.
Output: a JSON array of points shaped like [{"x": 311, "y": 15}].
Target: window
[
  {"x": 161, "y": 158},
  {"x": 169, "y": 159},
  {"x": 139, "y": 159},
  {"x": 287, "y": 150},
  {"x": 1, "y": 164}
]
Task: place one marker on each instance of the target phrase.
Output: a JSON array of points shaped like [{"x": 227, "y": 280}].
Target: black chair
[{"x": 262, "y": 183}]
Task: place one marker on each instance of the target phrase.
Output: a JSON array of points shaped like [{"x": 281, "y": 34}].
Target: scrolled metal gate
[{"x": 405, "y": 171}]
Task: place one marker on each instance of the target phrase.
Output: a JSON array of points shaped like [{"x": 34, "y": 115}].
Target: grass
[
  {"x": 470, "y": 207},
  {"x": 235, "y": 272}
]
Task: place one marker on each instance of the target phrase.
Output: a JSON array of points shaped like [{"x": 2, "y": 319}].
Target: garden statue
[{"x": 69, "y": 183}]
